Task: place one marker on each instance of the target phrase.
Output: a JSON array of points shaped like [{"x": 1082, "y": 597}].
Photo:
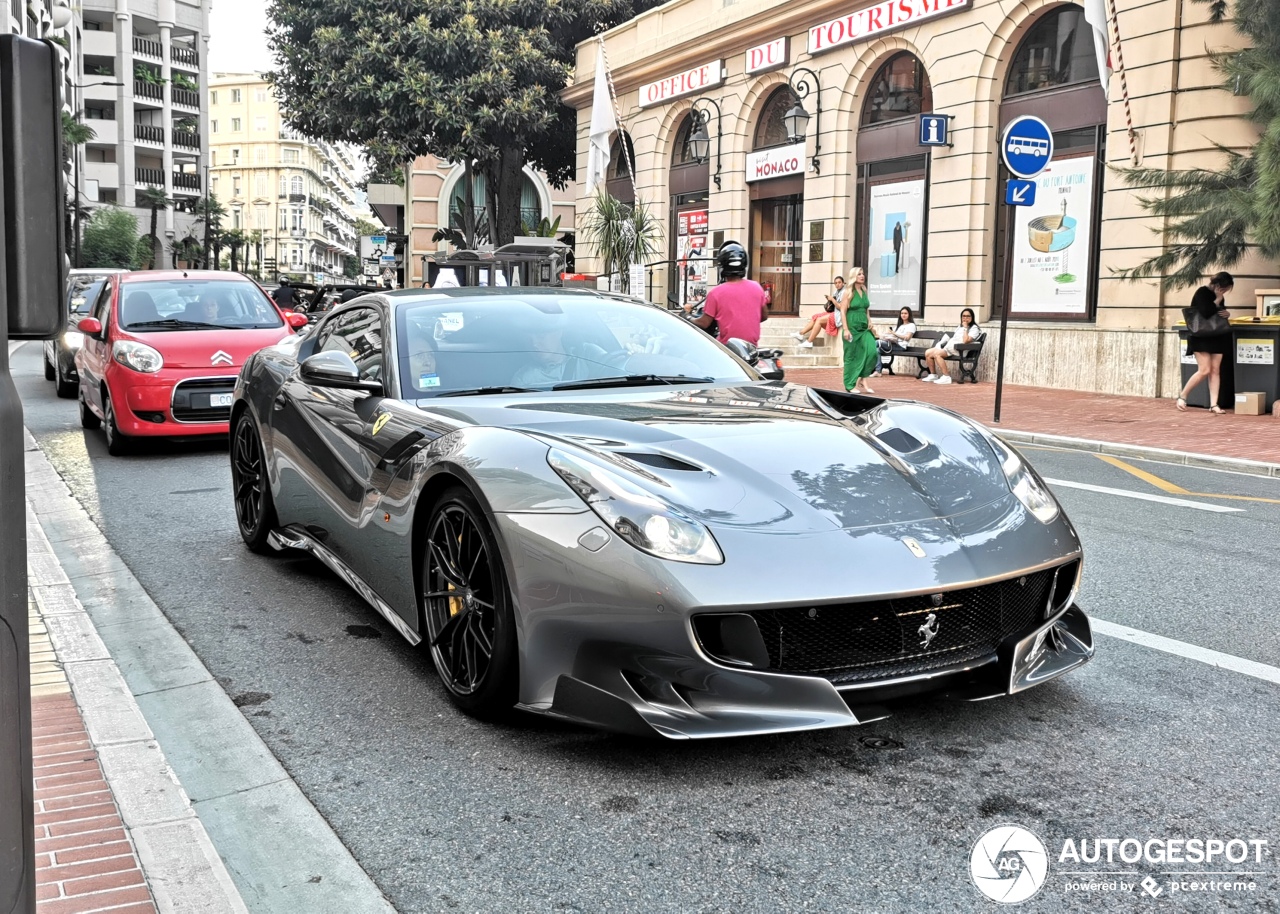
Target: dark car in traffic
[{"x": 83, "y": 286}]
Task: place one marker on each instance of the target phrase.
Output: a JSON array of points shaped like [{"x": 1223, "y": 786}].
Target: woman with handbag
[
  {"x": 1207, "y": 339},
  {"x": 825, "y": 321}
]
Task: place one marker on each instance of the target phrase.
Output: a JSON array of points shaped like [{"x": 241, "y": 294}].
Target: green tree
[
  {"x": 211, "y": 213},
  {"x": 365, "y": 227},
  {"x": 464, "y": 80},
  {"x": 154, "y": 199},
  {"x": 110, "y": 239},
  {"x": 235, "y": 239},
  {"x": 1213, "y": 218},
  {"x": 621, "y": 233}
]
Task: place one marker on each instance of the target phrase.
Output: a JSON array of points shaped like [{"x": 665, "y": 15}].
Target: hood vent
[
  {"x": 659, "y": 461},
  {"x": 843, "y": 405},
  {"x": 901, "y": 441}
]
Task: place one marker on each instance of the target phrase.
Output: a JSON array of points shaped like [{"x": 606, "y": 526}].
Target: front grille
[
  {"x": 881, "y": 639},
  {"x": 191, "y": 400}
]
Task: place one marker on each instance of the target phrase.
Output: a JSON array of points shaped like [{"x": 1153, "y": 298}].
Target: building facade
[
  {"x": 297, "y": 197},
  {"x": 855, "y": 186},
  {"x": 142, "y": 75}
]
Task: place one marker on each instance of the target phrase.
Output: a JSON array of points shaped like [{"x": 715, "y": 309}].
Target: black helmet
[{"x": 732, "y": 260}]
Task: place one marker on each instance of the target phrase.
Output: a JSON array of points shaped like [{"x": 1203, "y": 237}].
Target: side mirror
[
  {"x": 742, "y": 349},
  {"x": 336, "y": 370},
  {"x": 90, "y": 326},
  {"x": 295, "y": 320}
]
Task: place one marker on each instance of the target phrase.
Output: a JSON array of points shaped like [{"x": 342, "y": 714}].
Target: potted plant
[{"x": 622, "y": 234}]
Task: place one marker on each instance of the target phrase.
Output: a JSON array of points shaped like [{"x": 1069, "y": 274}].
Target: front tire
[
  {"x": 118, "y": 443},
  {"x": 61, "y": 386},
  {"x": 48, "y": 369},
  {"x": 470, "y": 618},
  {"x": 255, "y": 507}
]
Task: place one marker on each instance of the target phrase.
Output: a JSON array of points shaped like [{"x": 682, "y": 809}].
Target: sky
[{"x": 237, "y": 37}]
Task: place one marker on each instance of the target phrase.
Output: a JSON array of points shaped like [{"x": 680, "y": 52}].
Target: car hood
[
  {"x": 772, "y": 458},
  {"x": 198, "y": 348}
]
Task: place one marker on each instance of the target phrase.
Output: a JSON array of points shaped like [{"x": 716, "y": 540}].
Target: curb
[
  {"x": 219, "y": 825},
  {"x": 1162, "y": 455}
]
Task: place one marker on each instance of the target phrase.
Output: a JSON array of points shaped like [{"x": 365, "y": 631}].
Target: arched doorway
[
  {"x": 1047, "y": 254},
  {"x": 892, "y": 201},
  {"x": 689, "y": 182},
  {"x": 619, "y": 179},
  {"x": 777, "y": 208}
]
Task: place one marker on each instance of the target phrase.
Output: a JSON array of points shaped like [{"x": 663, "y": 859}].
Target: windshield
[
  {"x": 542, "y": 342},
  {"x": 82, "y": 292},
  {"x": 195, "y": 304}
]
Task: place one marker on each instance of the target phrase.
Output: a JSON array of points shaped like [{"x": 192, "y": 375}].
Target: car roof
[
  {"x": 401, "y": 297},
  {"x": 171, "y": 275}
]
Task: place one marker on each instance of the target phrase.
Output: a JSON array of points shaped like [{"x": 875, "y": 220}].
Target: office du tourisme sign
[{"x": 876, "y": 19}]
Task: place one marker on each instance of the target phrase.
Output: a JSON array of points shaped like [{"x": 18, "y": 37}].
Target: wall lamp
[
  {"x": 700, "y": 139},
  {"x": 803, "y": 81}
]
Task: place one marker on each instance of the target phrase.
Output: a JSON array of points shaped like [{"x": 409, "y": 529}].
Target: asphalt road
[{"x": 446, "y": 813}]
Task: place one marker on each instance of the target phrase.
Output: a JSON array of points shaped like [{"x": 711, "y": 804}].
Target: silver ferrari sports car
[{"x": 588, "y": 508}]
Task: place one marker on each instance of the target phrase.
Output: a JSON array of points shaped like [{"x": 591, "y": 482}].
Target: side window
[
  {"x": 358, "y": 333},
  {"x": 102, "y": 307}
]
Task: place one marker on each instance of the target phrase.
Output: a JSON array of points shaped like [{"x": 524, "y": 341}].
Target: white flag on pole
[
  {"x": 1095, "y": 13},
  {"x": 603, "y": 123}
]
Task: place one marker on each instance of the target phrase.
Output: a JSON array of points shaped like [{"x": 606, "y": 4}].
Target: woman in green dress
[{"x": 860, "y": 352}]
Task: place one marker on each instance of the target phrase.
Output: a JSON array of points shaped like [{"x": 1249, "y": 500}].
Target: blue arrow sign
[
  {"x": 1027, "y": 146},
  {"x": 934, "y": 130},
  {"x": 1020, "y": 193}
]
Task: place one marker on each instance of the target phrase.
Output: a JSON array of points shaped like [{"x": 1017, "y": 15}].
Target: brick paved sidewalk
[
  {"x": 85, "y": 860},
  {"x": 1139, "y": 421}
]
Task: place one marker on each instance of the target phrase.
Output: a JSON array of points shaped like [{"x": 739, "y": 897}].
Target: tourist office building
[{"x": 799, "y": 128}]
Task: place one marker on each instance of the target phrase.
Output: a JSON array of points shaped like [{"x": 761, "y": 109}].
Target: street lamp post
[
  {"x": 803, "y": 81},
  {"x": 700, "y": 139},
  {"x": 208, "y": 216}
]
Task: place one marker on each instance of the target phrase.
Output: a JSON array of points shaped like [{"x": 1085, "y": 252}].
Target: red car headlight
[{"x": 137, "y": 356}]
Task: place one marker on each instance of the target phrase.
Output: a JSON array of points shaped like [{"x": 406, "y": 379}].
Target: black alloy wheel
[
  {"x": 117, "y": 443},
  {"x": 88, "y": 418},
  {"x": 61, "y": 386},
  {"x": 469, "y": 619},
  {"x": 255, "y": 508}
]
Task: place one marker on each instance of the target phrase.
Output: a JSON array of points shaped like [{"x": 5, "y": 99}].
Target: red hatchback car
[{"x": 162, "y": 350}]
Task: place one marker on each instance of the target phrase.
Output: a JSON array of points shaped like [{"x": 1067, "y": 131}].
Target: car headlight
[
  {"x": 639, "y": 517},
  {"x": 73, "y": 339},
  {"x": 1024, "y": 483},
  {"x": 138, "y": 356}
]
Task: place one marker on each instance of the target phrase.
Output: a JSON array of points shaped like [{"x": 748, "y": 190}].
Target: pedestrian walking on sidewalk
[
  {"x": 860, "y": 353},
  {"x": 1209, "y": 350}
]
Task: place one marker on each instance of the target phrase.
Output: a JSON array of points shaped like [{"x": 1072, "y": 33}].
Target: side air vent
[
  {"x": 901, "y": 441},
  {"x": 659, "y": 461},
  {"x": 844, "y": 405}
]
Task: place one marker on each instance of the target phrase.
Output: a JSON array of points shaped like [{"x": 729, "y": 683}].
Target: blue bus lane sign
[
  {"x": 1020, "y": 193},
  {"x": 1027, "y": 146}
]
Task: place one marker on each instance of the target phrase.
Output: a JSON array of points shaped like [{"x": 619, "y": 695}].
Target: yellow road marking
[{"x": 1161, "y": 484}]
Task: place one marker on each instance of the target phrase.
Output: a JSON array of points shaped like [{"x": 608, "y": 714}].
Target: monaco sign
[
  {"x": 686, "y": 83},
  {"x": 877, "y": 19},
  {"x": 777, "y": 162}
]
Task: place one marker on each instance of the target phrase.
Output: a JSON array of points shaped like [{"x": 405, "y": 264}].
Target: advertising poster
[
  {"x": 1051, "y": 242},
  {"x": 691, "y": 251},
  {"x": 895, "y": 233}
]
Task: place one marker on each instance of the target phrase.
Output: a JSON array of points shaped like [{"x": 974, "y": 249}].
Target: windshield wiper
[
  {"x": 167, "y": 322},
  {"x": 477, "y": 391},
  {"x": 630, "y": 380}
]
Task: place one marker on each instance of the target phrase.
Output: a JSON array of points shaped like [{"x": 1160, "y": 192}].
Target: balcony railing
[
  {"x": 184, "y": 56},
  {"x": 186, "y": 139},
  {"x": 148, "y": 90},
  {"x": 146, "y": 133},
  {"x": 152, "y": 176},
  {"x": 183, "y": 181},
  {"x": 186, "y": 98},
  {"x": 148, "y": 47}
]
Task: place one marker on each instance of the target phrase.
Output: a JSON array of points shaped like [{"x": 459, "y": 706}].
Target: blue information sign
[
  {"x": 934, "y": 130},
  {"x": 1027, "y": 146},
  {"x": 1020, "y": 193}
]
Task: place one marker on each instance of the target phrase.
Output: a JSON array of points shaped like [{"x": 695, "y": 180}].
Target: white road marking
[
  {"x": 1190, "y": 651},
  {"x": 1145, "y": 496}
]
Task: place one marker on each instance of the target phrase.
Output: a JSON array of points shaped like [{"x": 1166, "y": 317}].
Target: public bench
[{"x": 966, "y": 354}]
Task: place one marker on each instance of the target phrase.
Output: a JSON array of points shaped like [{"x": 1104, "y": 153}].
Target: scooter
[{"x": 766, "y": 361}]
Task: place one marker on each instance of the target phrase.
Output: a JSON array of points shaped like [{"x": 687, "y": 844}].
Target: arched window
[
  {"x": 771, "y": 130},
  {"x": 530, "y": 202},
  {"x": 1058, "y": 51},
  {"x": 295, "y": 185},
  {"x": 681, "y": 154},
  {"x": 284, "y": 186},
  {"x": 900, "y": 89},
  {"x": 622, "y": 155}
]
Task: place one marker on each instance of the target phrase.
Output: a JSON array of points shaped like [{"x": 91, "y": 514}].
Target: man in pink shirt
[{"x": 738, "y": 304}]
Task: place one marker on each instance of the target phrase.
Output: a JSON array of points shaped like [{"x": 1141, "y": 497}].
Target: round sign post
[{"x": 1026, "y": 146}]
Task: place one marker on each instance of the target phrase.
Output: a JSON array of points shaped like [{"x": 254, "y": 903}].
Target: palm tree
[
  {"x": 154, "y": 199},
  {"x": 622, "y": 234},
  {"x": 235, "y": 239}
]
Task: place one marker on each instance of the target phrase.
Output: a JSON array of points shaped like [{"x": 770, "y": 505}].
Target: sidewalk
[{"x": 1136, "y": 425}]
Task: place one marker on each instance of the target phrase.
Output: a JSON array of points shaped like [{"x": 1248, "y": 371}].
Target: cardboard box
[{"x": 1250, "y": 403}]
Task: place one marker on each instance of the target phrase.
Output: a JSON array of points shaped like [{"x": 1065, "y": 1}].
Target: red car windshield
[{"x": 160, "y": 306}]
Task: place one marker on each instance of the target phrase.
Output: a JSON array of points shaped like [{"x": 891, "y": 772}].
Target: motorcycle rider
[{"x": 738, "y": 305}]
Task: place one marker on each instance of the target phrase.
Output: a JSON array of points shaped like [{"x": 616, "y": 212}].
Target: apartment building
[
  {"x": 140, "y": 76},
  {"x": 297, "y": 197}
]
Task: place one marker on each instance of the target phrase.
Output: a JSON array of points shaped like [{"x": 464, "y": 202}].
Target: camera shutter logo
[{"x": 1008, "y": 864}]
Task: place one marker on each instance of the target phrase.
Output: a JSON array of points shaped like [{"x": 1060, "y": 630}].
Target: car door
[{"x": 95, "y": 351}]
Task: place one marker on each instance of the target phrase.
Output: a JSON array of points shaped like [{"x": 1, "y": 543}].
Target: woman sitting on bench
[
  {"x": 893, "y": 341},
  {"x": 935, "y": 359}
]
